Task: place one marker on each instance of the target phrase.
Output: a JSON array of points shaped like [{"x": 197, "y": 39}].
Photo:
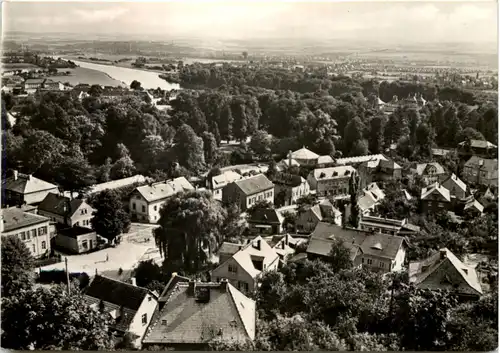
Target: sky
[{"x": 439, "y": 21}]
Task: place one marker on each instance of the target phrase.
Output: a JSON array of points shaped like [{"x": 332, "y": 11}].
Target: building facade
[
  {"x": 481, "y": 171},
  {"x": 331, "y": 181},
  {"x": 65, "y": 211},
  {"x": 246, "y": 192},
  {"x": 25, "y": 188}
]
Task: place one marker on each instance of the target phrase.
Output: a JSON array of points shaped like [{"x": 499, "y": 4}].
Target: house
[
  {"x": 165, "y": 295},
  {"x": 379, "y": 170},
  {"x": 196, "y": 313},
  {"x": 288, "y": 188},
  {"x": 32, "y": 85},
  {"x": 33, "y": 230},
  {"x": 444, "y": 271},
  {"x": 308, "y": 220},
  {"x": 285, "y": 164},
  {"x": 471, "y": 207},
  {"x": 146, "y": 200},
  {"x": 305, "y": 157},
  {"x": 76, "y": 239},
  {"x": 63, "y": 210},
  {"x": 217, "y": 182},
  {"x": 370, "y": 198},
  {"x": 435, "y": 198},
  {"x": 481, "y": 171},
  {"x": 375, "y": 251},
  {"x": 131, "y": 307},
  {"x": 477, "y": 148},
  {"x": 246, "y": 192},
  {"x": 387, "y": 226},
  {"x": 247, "y": 264},
  {"x": 284, "y": 245},
  {"x": 332, "y": 181},
  {"x": 430, "y": 172},
  {"x": 22, "y": 188},
  {"x": 457, "y": 188},
  {"x": 355, "y": 161},
  {"x": 266, "y": 221}
]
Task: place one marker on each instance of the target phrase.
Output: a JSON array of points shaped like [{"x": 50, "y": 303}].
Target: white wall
[
  {"x": 267, "y": 195},
  {"x": 147, "y": 307},
  {"x": 400, "y": 259},
  {"x": 34, "y": 244},
  {"x": 241, "y": 275},
  {"x": 36, "y": 197}
]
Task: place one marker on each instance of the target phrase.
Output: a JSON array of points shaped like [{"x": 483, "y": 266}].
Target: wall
[
  {"x": 148, "y": 307},
  {"x": 34, "y": 244},
  {"x": 248, "y": 201},
  {"x": 375, "y": 263},
  {"x": 151, "y": 211},
  {"x": 36, "y": 197},
  {"x": 400, "y": 259},
  {"x": 307, "y": 221},
  {"x": 333, "y": 187},
  {"x": 241, "y": 275},
  {"x": 65, "y": 242},
  {"x": 80, "y": 219}
]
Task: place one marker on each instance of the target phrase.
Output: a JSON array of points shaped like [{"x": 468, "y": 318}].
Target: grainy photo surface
[{"x": 263, "y": 176}]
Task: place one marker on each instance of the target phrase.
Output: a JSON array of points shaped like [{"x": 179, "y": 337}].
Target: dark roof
[
  {"x": 60, "y": 205},
  {"x": 377, "y": 244},
  {"x": 287, "y": 179},
  {"x": 226, "y": 312},
  {"x": 74, "y": 232},
  {"x": 265, "y": 215},
  {"x": 116, "y": 292},
  {"x": 230, "y": 248},
  {"x": 25, "y": 184},
  {"x": 15, "y": 218},
  {"x": 254, "y": 184},
  {"x": 171, "y": 284}
]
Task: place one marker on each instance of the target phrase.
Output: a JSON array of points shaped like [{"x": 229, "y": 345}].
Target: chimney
[
  {"x": 223, "y": 284},
  {"x": 286, "y": 239},
  {"x": 191, "y": 288},
  {"x": 289, "y": 158},
  {"x": 256, "y": 244},
  {"x": 29, "y": 176},
  {"x": 442, "y": 254},
  {"x": 133, "y": 281},
  {"x": 15, "y": 174}
]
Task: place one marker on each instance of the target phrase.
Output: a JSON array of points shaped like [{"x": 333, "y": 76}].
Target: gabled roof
[
  {"x": 116, "y": 184},
  {"x": 479, "y": 144},
  {"x": 304, "y": 154},
  {"x": 174, "y": 279},
  {"x": 381, "y": 245},
  {"x": 230, "y": 249},
  {"x": 15, "y": 218},
  {"x": 444, "y": 265},
  {"x": 389, "y": 164},
  {"x": 266, "y": 215},
  {"x": 372, "y": 196},
  {"x": 25, "y": 184},
  {"x": 244, "y": 256},
  {"x": 163, "y": 190},
  {"x": 455, "y": 181},
  {"x": 287, "y": 163},
  {"x": 228, "y": 315},
  {"x": 254, "y": 184},
  {"x": 435, "y": 188},
  {"x": 473, "y": 204},
  {"x": 282, "y": 244},
  {"x": 333, "y": 172},
  {"x": 325, "y": 159},
  {"x": 360, "y": 159},
  {"x": 483, "y": 163},
  {"x": 288, "y": 179},
  {"x": 421, "y": 168},
  {"x": 382, "y": 221},
  {"x": 60, "y": 205}
]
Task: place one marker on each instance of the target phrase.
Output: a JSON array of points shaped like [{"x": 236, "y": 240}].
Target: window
[
  {"x": 23, "y": 235},
  {"x": 232, "y": 269},
  {"x": 369, "y": 261},
  {"x": 362, "y": 260},
  {"x": 381, "y": 264},
  {"x": 44, "y": 245},
  {"x": 144, "y": 319},
  {"x": 143, "y": 208},
  {"x": 82, "y": 212},
  {"x": 33, "y": 233},
  {"x": 217, "y": 279},
  {"x": 155, "y": 208},
  {"x": 77, "y": 223},
  {"x": 149, "y": 299},
  {"x": 43, "y": 230},
  {"x": 34, "y": 249},
  {"x": 133, "y": 205}
]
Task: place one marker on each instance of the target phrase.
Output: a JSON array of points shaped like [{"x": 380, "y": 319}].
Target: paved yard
[{"x": 138, "y": 245}]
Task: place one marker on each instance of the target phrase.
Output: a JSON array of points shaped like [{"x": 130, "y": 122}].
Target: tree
[
  {"x": 95, "y": 91},
  {"x": 122, "y": 168},
  {"x": 190, "y": 229},
  {"x": 340, "y": 256},
  {"x": 110, "y": 219},
  {"x": 353, "y": 191},
  {"x": 146, "y": 272},
  {"x": 48, "y": 319},
  {"x": 209, "y": 147},
  {"x": 234, "y": 225},
  {"x": 153, "y": 147},
  {"x": 74, "y": 173},
  {"x": 17, "y": 266},
  {"x": 376, "y": 141},
  {"x": 260, "y": 144},
  {"x": 189, "y": 148},
  {"x": 136, "y": 85},
  {"x": 352, "y": 134},
  {"x": 41, "y": 148}
]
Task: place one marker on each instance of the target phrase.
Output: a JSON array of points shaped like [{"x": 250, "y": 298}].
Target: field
[
  {"x": 88, "y": 76},
  {"x": 19, "y": 66}
]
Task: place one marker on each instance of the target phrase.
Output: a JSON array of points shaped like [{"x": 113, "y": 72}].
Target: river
[{"x": 127, "y": 75}]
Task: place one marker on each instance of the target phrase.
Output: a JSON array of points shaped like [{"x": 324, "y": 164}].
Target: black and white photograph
[{"x": 249, "y": 175}]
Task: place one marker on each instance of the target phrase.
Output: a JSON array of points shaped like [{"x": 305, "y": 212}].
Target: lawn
[{"x": 88, "y": 76}]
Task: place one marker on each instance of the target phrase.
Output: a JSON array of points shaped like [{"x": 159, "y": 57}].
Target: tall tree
[
  {"x": 110, "y": 219},
  {"x": 376, "y": 140},
  {"x": 17, "y": 266},
  {"x": 261, "y": 144},
  {"x": 189, "y": 148},
  {"x": 48, "y": 319},
  {"x": 210, "y": 147}
]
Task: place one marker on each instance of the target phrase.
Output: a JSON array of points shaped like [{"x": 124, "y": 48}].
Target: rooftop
[
  {"x": 304, "y": 154},
  {"x": 360, "y": 159},
  {"x": 455, "y": 180},
  {"x": 74, "y": 232},
  {"x": 435, "y": 189},
  {"x": 199, "y": 312},
  {"x": 266, "y": 215},
  {"x": 163, "y": 190},
  {"x": 15, "y": 218},
  {"x": 225, "y": 178},
  {"x": 479, "y": 144},
  {"x": 60, "y": 205},
  {"x": 25, "y": 184},
  {"x": 333, "y": 172},
  {"x": 434, "y": 168},
  {"x": 116, "y": 184},
  {"x": 483, "y": 163},
  {"x": 254, "y": 184}
]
